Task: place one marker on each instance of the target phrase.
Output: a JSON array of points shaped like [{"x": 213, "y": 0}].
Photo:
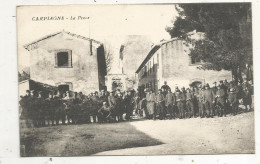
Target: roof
[
  {"x": 152, "y": 51},
  {"x": 193, "y": 34},
  {"x": 66, "y": 32}
]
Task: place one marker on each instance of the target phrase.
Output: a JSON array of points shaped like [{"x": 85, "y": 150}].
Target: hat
[
  {"x": 31, "y": 91},
  {"x": 219, "y": 85},
  {"x": 207, "y": 85},
  {"x": 232, "y": 90},
  {"x": 27, "y": 91},
  {"x": 200, "y": 86},
  {"x": 187, "y": 89},
  {"x": 159, "y": 90},
  {"x": 67, "y": 91},
  {"x": 221, "y": 81}
]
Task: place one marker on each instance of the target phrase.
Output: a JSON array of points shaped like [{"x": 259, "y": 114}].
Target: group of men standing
[
  {"x": 201, "y": 101},
  {"x": 103, "y": 106}
]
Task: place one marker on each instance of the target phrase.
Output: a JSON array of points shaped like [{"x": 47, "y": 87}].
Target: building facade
[
  {"x": 68, "y": 61},
  {"x": 169, "y": 61}
]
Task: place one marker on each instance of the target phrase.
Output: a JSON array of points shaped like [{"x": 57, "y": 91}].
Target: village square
[{"x": 192, "y": 93}]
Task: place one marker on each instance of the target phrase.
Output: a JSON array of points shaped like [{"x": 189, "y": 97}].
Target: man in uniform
[
  {"x": 233, "y": 100},
  {"x": 208, "y": 101},
  {"x": 170, "y": 102},
  {"x": 180, "y": 99},
  {"x": 160, "y": 104},
  {"x": 190, "y": 103},
  {"x": 165, "y": 88},
  {"x": 151, "y": 98},
  {"x": 104, "y": 112},
  {"x": 221, "y": 100},
  {"x": 201, "y": 101}
]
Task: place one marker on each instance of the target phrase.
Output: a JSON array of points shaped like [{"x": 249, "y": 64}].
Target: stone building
[
  {"x": 68, "y": 61},
  {"x": 169, "y": 61}
]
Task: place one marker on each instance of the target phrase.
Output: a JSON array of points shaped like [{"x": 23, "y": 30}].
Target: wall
[
  {"x": 84, "y": 72},
  {"x": 178, "y": 71}
]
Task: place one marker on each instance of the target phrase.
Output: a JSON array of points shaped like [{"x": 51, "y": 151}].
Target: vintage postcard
[{"x": 150, "y": 79}]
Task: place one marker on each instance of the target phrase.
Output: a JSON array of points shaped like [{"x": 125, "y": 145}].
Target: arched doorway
[{"x": 196, "y": 82}]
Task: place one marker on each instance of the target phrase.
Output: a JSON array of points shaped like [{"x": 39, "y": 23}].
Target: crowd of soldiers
[
  {"x": 51, "y": 108},
  {"x": 201, "y": 101}
]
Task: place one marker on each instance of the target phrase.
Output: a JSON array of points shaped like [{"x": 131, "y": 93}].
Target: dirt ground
[
  {"x": 225, "y": 135},
  {"x": 232, "y": 134}
]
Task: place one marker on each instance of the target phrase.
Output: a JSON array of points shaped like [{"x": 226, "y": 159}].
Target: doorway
[{"x": 63, "y": 88}]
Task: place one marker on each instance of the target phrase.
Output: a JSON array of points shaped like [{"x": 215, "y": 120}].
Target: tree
[
  {"x": 108, "y": 56},
  {"x": 228, "y": 34}
]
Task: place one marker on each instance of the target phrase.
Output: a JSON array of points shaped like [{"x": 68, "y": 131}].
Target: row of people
[{"x": 200, "y": 101}]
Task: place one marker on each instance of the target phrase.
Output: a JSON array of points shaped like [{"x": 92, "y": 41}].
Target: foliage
[
  {"x": 227, "y": 27},
  {"x": 108, "y": 57}
]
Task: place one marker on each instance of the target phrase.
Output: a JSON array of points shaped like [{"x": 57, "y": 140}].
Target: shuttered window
[{"x": 63, "y": 59}]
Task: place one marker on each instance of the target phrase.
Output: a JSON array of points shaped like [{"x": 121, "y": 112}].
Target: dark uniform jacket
[
  {"x": 221, "y": 96},
  {"x": 232, "y": 98}
]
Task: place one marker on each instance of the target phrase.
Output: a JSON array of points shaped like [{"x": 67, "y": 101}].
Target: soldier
[
  {"x": 183, "y": 91},
  {"x": 104, "y": 112},
  {"x": 165, "y": 88},
  {"x": 119, "y": 106},
  {"x": 96, "y": 105},
  {"x": 25, "y": 104},
  {"x": 190, "y": 103},
  {"x": 179, "y": 100},
  {"x": 151, "y": 98},
  {"x": 41, "y": 112},
  {"x": 160, "y": 101},
  {"x": 233, "y": 101},
  {"x": 170, "y": 102},
  {"x": 50, "y": 109},
  {"x": 247, "y": 99},
  {"x": 208, "y": 100},
  {"x": 220, "y": 98},
  {"x": 200, "y": 96}
]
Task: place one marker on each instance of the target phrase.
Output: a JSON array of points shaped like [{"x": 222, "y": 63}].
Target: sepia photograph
[{"x": 135, "y": 79}]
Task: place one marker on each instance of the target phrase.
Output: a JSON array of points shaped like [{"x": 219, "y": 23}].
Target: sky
[{"x": 106, "y": 23}]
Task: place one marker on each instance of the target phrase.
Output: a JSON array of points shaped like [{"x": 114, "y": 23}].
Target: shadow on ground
[{"x": 82, "y": 140}]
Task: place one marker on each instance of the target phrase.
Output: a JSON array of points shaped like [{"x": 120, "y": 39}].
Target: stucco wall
[
  {"x": 84, "y": 72},
  {"x": 177, "y": 69}
]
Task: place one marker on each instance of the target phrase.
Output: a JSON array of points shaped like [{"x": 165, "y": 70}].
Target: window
[
  {"x": 63, "y": 58},
  {"x": 195, "y": 60}
]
